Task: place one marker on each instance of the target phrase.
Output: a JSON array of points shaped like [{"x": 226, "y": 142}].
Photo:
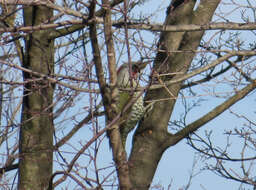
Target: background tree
[{"x": 59, "y": 60}]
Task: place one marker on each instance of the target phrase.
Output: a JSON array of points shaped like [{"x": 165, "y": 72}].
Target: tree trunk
[
  {"x": 36, "y": 132},
  {"x": 151, "y": 135}
]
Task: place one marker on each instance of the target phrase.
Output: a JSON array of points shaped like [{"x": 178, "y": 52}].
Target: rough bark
[
  {"x": 148, "y": 142},
  {"x": 36, "y": 131},
  {"x": 110, "y": 94},
  {"x": 119, "y": 154}
]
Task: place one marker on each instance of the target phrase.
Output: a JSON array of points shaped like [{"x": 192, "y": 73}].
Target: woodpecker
[
  {"x": 175, "y": 4},
  {"x": 126, "y": 79}
]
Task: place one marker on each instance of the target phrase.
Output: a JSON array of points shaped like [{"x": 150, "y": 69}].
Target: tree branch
[
  {"x": 187, "y": 27},
  {"x": 8, "y": 168},
  {"x": 71, "y": 29},
  {"x": 130, "y": 25},
  {"x": 118, "y": 150},
  {"x": 77, "y": 127},
  {"x": 212, "y": 114},
  {"x": 207, "y": 67},
  {"x": 47, "y": 77}
]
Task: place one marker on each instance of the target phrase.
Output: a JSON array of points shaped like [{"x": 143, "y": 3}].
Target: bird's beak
[{"x": 142, "y": 65}]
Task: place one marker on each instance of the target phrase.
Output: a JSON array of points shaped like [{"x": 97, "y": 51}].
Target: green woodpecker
[{"x": 127, "y": 78}]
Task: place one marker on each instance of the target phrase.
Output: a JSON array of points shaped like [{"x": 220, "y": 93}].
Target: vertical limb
[
  {"x": 110, "y": 94},
  {"x": 36, "y": 130}
]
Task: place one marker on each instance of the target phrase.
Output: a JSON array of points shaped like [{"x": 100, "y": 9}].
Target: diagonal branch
[
  {"x": 207, "y": 78},
  {"x": 86, "y": 120},
  {"x": 211, "y": 115},
  {"x": 74, "y": 28},
  {"x": 205, "y": 68},
  {"x": 47, "y": 77}
]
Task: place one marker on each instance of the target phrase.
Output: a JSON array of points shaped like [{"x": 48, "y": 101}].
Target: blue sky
[{"x": 176, "y": 163}]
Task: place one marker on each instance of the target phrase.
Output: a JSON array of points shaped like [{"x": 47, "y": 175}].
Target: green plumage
[{"x": 131, "y": 116}]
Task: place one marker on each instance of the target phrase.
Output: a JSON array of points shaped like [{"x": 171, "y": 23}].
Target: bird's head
[
  {"x": 136, "y": 68},
  {"x": 123, "y": 72}
]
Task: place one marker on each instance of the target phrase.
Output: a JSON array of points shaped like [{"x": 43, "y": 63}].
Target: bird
[
  {"x": 127, "y": 78},
  {"x": 175, "y": 4}
]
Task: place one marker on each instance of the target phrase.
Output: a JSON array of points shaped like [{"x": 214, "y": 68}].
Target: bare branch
[
  {"x": 49, "y": 78},
  {"x": 187, "y": 27},
  {"x": 212, "y": 114},
  {"x": 118, "y": 150},
  {"x": 131, "y": 25}
]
